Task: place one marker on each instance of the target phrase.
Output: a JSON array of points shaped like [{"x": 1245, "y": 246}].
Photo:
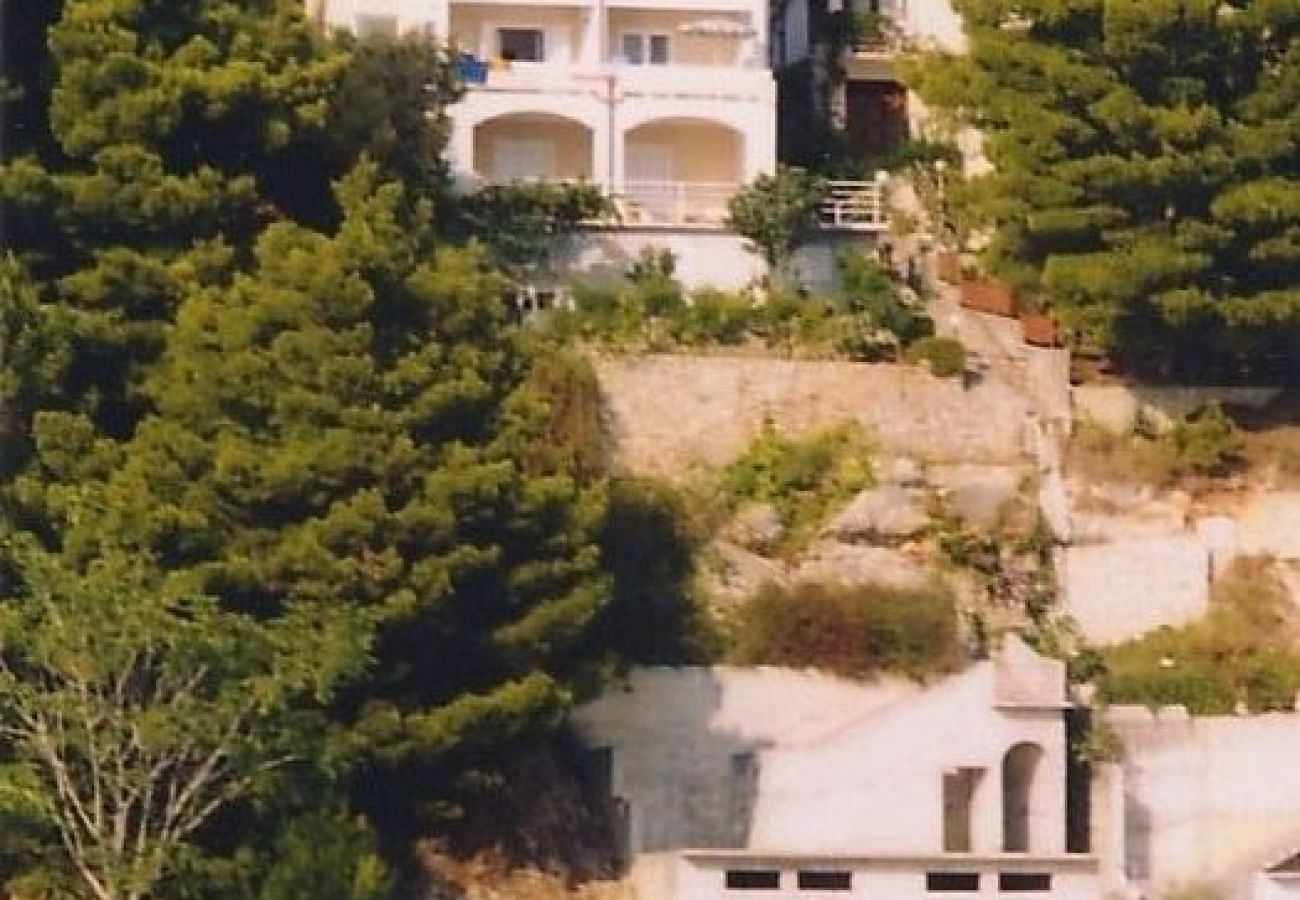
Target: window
[
  {"x": 825, "y": 880},
  {"x": 370, "y": 26},
  {"x": 1024, "y": 881},
  {"x": 521, "y": 44},
  {"x": 753, "y": 880},
  {"x": 952, "y": 882},
  {"x": 641, "y": 49}
]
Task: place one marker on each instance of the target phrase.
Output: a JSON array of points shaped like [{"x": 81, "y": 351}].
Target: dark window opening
[
  {"x": 952, "y": 882},
  {"x": 1024, "y": 881},
  {"x": 522, "y": 44},
  {"x": 753, "y": 879},
  {"x": 825, "y": 881}
]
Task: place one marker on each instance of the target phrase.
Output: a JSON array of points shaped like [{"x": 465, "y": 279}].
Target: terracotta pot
[
  {"x": 1040, "y": 331},
  {"x": 994, "y": 297}
]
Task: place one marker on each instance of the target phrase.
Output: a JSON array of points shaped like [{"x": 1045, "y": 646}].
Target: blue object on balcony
[{"x": 471, "y": 70}]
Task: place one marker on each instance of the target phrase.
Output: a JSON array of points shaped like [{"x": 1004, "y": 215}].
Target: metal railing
[
  {"x": 854, "y": 206},
  {"x": 674, "y": 202}
]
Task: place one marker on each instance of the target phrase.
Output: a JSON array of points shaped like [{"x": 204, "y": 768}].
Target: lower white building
[{"x": 733, "y": 783}]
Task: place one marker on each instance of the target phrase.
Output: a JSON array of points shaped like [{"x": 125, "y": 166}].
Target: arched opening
[
  {"x": 525, "y": 146},
  {"x": 1018, "y": 769},
  {"x": 681, "y": 170}
]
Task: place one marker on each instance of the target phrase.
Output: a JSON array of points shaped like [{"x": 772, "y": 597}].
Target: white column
[
  {"x": 460, "y": 149},
  {"x": 441, "y": 19}
]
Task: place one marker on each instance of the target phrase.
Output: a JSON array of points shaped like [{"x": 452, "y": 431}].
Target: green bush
[
  {"x": 945, "y": 356},
  {"x": 714, "y": 317},
  {"x": 1241, "y": 651},
  {"x": 802, "y": 478},
  {"x": 852, "y": 630},
  {"x": 1205, "y": 443}
]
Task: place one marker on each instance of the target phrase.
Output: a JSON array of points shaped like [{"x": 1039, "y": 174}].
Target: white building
[
  {"x": 668, "y": 105},
  {"x": 735, "y": 783},
  {"x": 871, "y": 104}
]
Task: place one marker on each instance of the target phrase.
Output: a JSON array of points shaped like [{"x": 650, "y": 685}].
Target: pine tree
[{"x": 1147, "y": 178}]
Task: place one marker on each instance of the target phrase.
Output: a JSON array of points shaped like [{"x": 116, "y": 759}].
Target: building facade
[
  {"x": 733, "y": 783},
  {"x": 667, "y": 105}
]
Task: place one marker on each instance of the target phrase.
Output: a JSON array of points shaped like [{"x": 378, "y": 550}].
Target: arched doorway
[
  {"x": 528, "y": 146},
  {"x": 681, "y": 170},
  {"x": 1018, "y": 769}
]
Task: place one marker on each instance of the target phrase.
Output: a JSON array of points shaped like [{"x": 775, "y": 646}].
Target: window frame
[
  {"x": 645, "y": 42},
  {"x": 503, "y": 30}
]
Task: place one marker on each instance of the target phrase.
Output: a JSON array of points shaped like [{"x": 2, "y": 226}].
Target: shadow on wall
[
  {"x": 675, "y": 775},
  {"x": 1137, "y": 837}
]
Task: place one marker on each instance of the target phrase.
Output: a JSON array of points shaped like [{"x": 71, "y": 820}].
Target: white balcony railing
[
  {"x": 854, "y": 206},
  {"x": 674, "y": 202}
]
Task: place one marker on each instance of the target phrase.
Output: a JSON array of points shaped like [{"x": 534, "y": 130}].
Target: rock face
[
  {"x": 756, "y": 527},
  {"x": 668, "y": 413},
  {"x": 885, "y": 515},
  {"x": 734, "y": 574},
  {"x": 831, "y": 561},
  {"x": 978, "y": 494},
  {"x": 1270, "y": 525},
  {"x": 1120, "y": 590}
]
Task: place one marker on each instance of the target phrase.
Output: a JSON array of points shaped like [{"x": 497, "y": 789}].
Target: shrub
[
  {"x": 1242, "y": 650},
  {"x": 852, "y": 630},
  {"x": 803, "y": 479},
  {"x": 945, "y": 356},
  {"x": 714, "y": 317},
  {"x": 776, "y": 213},
  {"x": 1205, "y": 443},
  {"x": 874, "y": 301}
]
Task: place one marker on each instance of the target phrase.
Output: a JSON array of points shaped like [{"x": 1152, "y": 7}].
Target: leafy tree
[
  {"x": 1145, "y": 181},
  {"x": 776, "y": 213},
  {"x": 133, "y": 715},
  {"x": 350, "y": 424},
  {"x": 391, "y": 105},
  {"x": 521, "y": 224},
  {"x": 171, "y": 129}
]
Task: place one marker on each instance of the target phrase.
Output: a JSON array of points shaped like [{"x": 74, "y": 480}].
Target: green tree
[
  {"x": 523, "y": 224},
  {"x": 775, "y": 214},
  {"x": 349, "y": 424},
  {"x": 171, "y": 130},
  {"x": 132, "y": 716},
  {"x": 391, "y": 104},
  {"x": 1145, "y": 181}
]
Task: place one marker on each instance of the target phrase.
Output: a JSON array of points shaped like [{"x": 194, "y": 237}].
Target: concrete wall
[
  {"x": 756, "y": 765},
  {"x": 1116, "y": 407},
  {"x": 1210, "y": 799},
  {"x": 675, "y": 733},
  {"x": 878, "y": 786},
  {"x": 876, "y": 877},
  {"x": 705, "y": 257},
  {"x": 1124, "y": 589},
  {"x": 667, "y": 413}
]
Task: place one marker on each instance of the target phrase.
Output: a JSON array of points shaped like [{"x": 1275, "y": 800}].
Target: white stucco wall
[
  {"x": 705, "y": 257},
  {"x": 1123, "y": 589},
  {"x": 879, "y": 785},
  {"x": 1209, "y": 799},
  {"x": 877, "y": 877},
  {"x": 935, "y": 23},
  {"x": 769, "y": 764}
]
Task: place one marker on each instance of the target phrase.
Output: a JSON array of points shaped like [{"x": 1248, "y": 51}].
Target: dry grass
[
  {"x": 1271, "y": 439},
  {"x": 488, "y": 876}
]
